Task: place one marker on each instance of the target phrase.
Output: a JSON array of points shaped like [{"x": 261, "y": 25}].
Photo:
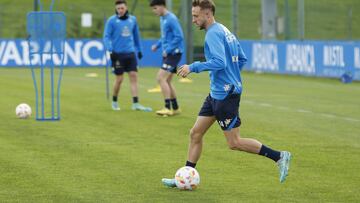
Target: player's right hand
[
  {"x": 112, "y": 56},
  {"x": 153, "y": 48},
  {"x": 184, "y": 71}
]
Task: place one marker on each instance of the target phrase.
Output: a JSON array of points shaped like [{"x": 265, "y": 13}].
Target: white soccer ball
[
  {"x": 23, "y": 111},
  {"x": 187, "y": 178}
]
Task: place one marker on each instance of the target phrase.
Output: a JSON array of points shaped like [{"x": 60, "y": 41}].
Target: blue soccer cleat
[
  {"x": 168, "y": 182},
  {"x": 115, "y": 106},
  {"x": 284, "y": 165},
  {"x": 139, "y": 107}
]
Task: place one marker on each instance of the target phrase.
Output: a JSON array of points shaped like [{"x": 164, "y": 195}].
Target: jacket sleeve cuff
[{"x": 193, "y": 68}]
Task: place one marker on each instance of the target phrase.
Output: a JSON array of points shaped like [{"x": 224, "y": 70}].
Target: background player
[
  {"x": 171, "y": 42},
  {"x": 122, "y": 40}
]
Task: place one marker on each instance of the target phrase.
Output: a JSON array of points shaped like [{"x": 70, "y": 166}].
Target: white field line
[
  {"x": 303, "y": 111},
  {"x": 265, "y": 105},
  {"x": 285, "y": 108}
]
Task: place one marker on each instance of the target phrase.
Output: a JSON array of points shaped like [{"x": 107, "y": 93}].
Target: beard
[{"x": 202, "y": 26}]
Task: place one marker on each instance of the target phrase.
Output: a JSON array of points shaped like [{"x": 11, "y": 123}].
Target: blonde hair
[{"x": 204, "y": 4}]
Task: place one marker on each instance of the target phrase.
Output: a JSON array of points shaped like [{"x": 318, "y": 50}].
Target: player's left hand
[
  {"x": 164, "y": 54},
  {"x": 140, "y": 55},
  {"x": 184, "y": 71}
]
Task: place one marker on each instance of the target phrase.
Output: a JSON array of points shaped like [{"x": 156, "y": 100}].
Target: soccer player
[
  {"x": 224, "y": 61},
  {"x": 171, "y": 42},
  {"x": 122, "y": 40}
]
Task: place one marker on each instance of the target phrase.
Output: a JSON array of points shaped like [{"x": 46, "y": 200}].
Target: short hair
[
  {"x": 157, "y": 3},
  {"x": 204, "y": 4},
  {"x": 120, "y": 2}
]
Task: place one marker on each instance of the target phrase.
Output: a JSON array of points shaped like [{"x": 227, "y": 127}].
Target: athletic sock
[
  {"x": 174, "y": 104},
  {"x": 135, "y": 100},
  {"x": 167, "y": 103},
  {"x": 269, "y": 153},
  {"x": 115, "y": 98},
  {"x": 191, "y": 164}
]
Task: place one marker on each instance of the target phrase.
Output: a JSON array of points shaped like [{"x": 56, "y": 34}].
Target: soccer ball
[
  {"x": 23, "y": 111},
  {"x": 187, "y": 178}
]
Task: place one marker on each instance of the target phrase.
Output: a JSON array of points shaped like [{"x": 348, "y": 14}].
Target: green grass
[{"x": 97, "y": 155}]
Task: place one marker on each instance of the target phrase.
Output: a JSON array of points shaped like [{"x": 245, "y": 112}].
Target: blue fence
[{"x": 313, "y": 58}]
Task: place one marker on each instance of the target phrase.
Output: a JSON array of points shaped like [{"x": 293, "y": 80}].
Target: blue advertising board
[
  {"x": 77, "y": 53},
  {"x": 313, "y": 58}
]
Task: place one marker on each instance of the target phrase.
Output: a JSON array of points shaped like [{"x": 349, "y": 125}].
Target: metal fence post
[
  {"x": 287, "y": 20},
  {"x": 188, "y": 31},
  {"x": 350, "y": 18},
  {"x": 235, "y": 16},
  {"x": 301, "y": 20}
]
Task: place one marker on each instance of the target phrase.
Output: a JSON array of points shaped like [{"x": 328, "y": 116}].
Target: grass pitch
[{"x": 97, "y": 155}]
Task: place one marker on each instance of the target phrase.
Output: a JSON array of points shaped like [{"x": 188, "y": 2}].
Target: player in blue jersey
[
  {"x": 171, "y": 43},
  {"x": 224, "y": 61},
  {"x": 122, "y": 40}
]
